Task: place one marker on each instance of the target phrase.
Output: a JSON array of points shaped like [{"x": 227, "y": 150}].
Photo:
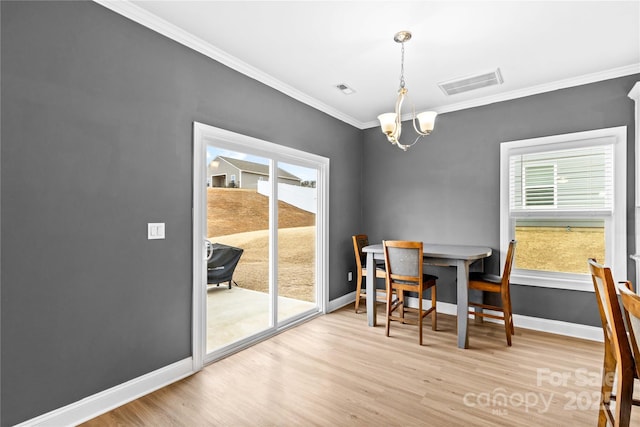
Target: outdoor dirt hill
[{"x": 233, "y": 210}]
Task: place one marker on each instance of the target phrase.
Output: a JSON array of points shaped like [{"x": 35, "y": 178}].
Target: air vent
[
  {"x": 345, "y": 89},
  {"x": 468, "y": 83}
]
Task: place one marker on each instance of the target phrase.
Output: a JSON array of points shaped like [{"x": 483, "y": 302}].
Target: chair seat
[
  {"x": 483, "y": 277},
  {"x": 425, "y": 279},
  {"x": 486, "y": 282}
]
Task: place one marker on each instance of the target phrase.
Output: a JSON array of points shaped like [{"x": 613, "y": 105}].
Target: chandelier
[{"x": 391, "y": 123}]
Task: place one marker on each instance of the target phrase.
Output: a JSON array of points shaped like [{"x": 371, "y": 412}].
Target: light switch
[{"x": 155, "y": 230}]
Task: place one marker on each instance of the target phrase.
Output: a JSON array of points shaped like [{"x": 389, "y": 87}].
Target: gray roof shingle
[{"x": 257, "y": 168}]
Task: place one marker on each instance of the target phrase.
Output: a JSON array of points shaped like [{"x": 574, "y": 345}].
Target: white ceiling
[{"x": 306, "y": 48}]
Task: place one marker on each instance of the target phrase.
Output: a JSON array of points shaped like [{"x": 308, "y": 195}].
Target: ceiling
[{"x": 306, "y": 48}]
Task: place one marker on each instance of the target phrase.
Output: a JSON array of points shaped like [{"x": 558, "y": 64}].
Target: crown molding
[
  {"x": 533, "y": 90},
  {"x": 159, "y": 25},
  {"x": 635, "y": 93}
]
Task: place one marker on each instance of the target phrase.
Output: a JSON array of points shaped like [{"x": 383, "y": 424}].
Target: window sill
[{"x": 577, "y": 282}]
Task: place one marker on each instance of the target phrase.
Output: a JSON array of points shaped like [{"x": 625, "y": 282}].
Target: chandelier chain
[{"x": 402, "y": 67}]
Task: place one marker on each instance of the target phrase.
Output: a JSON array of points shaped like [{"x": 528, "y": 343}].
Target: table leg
[
  {"x": 371, "y": 290},
  {"x": 462, "y": 271}
]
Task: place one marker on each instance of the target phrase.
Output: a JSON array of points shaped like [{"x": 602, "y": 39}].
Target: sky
[{"x": 304, "y": 173}]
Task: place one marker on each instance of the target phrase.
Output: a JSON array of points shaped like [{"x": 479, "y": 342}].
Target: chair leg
[
  {"x": 434, "y": 317},
  {"x": 508, "y": 326},
  {"x": 624, "y": 397},
  {"x": 389, "y": 302},
  {"x": 608, "y": 372},
  {"x": 476, "y": 317},
  {"x": 507, "y": 330},
  {"x": 513, "y": 330},
  {"x": 477, "y": 311},
  {"x": 420, "y": 316},
  {"x": 358, "y": 290}
]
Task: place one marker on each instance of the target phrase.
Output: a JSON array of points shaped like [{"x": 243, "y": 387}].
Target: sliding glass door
[
  {"x": 237, "y": 213},
  {"x": 259, "y": 213},
  {"x": 297, "y": 206}
]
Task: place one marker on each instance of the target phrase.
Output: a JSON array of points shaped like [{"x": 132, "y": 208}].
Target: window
[{"x": 563, "y": 198}]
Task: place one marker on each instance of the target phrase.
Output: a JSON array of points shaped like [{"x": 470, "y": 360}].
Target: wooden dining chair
[
  {"x": 404, "y": 273},
  {"x": 498, "y": 285},
  {"x": 618, "y": 359},
  {"x": 631, "y": 308},
  {"x": 359, "y": 242}
]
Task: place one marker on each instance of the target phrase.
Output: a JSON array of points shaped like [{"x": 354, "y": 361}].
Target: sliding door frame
[{"x": 204, "y": 135}]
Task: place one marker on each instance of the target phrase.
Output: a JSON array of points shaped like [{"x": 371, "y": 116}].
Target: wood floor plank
[{"x": 336, "y": 371}]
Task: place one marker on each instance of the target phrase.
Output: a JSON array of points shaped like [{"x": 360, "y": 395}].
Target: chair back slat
[
  {"x": 359, "y": 242},
  {"x": 601, "y": 292},
  {"x": 634, "y": 321},
  {"x": 508, "y": 263},
  {"x": 610, "y": 313},
  {"x": 631, "y": 304}
]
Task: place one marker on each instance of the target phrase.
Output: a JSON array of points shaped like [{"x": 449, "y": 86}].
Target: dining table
[{"x": 444, "y": 255}]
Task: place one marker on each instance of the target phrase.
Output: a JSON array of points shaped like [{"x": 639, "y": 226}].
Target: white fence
[{"x": 301, "y": 197}]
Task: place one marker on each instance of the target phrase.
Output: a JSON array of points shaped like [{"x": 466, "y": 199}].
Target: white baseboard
[
  {"x": 104, "y": 401},
  {"x": 340, "y": 302},
  {"x": 576, "y": 330}
]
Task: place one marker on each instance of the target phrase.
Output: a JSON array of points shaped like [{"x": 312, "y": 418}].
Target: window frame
[{"x": 615, "y": 222}]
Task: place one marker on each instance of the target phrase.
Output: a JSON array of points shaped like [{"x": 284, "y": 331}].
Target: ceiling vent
[
  {"x": 468, "y": 83},
  {"x": 345, "y": 89}
]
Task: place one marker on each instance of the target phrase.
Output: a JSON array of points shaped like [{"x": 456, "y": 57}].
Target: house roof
[{"x": 257, "y": 168}]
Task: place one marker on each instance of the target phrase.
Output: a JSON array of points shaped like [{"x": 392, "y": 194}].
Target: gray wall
[
  {"x": 97, "y": 116},
  {"x": 96, "y": 142},
  {"x": 446, "y": 188}
]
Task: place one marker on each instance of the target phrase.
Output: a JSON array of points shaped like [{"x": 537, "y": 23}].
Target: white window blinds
[{"x": 562, "y": 180}]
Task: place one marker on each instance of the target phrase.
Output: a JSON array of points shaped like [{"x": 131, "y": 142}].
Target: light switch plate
[{"x": 155, "y": 230}]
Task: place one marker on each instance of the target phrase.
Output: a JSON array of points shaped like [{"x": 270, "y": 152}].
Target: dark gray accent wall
[
  {"x": 446, "y": 188},
  {"x": 97, "y": 115}
]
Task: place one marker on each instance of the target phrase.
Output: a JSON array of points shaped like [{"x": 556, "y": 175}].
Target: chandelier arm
[
  {"x": 398, "y": 128},
  {"x": 413, "y": 111},
  {"x": 405, "y": 146}
]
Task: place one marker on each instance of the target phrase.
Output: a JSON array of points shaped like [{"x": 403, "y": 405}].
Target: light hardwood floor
[{"x": 336, "y": 371}]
